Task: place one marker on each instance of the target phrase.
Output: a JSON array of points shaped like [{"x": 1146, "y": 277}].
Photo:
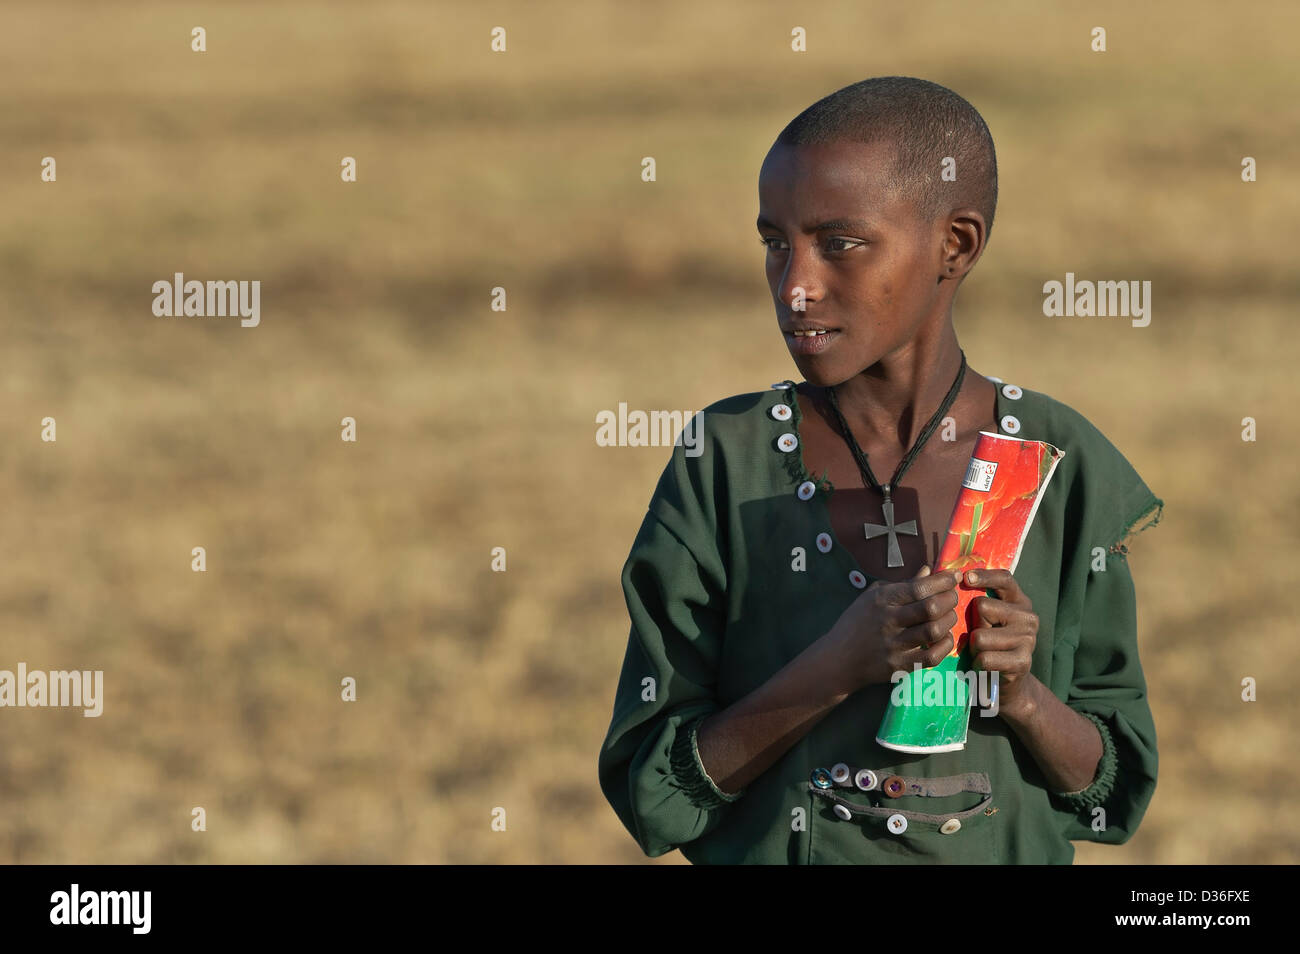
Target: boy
[{"x": 770, "y": 607}]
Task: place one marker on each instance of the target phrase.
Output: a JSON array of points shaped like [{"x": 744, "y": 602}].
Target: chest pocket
[{"x": 929, "y": 821}]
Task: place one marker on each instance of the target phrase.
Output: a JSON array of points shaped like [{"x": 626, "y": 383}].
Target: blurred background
[{"x": 476, "y": 428}]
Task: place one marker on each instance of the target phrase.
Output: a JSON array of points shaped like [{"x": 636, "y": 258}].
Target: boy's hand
[
  {"x": 1005, "y": 642},
  {"x": 892, "y": 626}
]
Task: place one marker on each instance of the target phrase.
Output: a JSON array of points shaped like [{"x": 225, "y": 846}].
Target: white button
[
  {"x": 1011, "y": 391},
  {"x": 782, "y": 385},
  {"x": 824, "y": 542},
  {"x": 950, "y": 826},
  {"x": 807, "y": 489},
  {"x": 858, "y": 580},
  {"x": 787, "y": 442},
  {"x": 866, "y": 780},
  {"x": 843, "y": 812},
  {"x": 841, "y": 773},
  {"x": 897, "y": 824},
  {"x": 782, "y": 412},
  {"x": 1011, "y": 424}
]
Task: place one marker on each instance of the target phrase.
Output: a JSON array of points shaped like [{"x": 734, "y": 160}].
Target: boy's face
[{"x": 868, "y": 263}]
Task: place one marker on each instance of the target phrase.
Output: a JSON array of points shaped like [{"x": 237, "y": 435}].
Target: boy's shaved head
[{"x": 925, "y": 122}]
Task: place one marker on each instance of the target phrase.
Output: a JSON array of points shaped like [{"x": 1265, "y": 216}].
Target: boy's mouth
[{"x": 810, "y": 340}]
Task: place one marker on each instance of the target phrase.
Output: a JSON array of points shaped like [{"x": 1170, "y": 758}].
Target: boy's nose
[{"x": 799, "y": 275}]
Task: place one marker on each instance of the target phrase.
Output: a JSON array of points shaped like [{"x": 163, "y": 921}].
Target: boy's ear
[{"x": 963, "y": 242}]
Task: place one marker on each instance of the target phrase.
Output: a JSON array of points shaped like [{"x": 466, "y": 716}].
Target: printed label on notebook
[{"x": 979, "y": 474}]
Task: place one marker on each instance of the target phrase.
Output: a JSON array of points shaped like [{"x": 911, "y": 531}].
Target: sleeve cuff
[
  {"x": 1104, "y": 782},
  {"x": 688, "y": 770}
]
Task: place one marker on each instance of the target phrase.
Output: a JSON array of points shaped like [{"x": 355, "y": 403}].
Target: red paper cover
[{"x": 1004, "y": 483}]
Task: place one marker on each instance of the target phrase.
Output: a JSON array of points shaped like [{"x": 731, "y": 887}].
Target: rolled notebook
[{"x": 929, "y": 709}]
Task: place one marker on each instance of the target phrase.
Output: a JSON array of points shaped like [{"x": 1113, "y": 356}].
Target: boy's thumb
[{"x": 925, "y": 571}]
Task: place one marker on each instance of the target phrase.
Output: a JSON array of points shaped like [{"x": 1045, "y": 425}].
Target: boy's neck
[{"x": 891, "y": 402}]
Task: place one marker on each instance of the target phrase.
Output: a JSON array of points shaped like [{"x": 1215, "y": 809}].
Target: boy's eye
[{"x": 833, "y": 244}]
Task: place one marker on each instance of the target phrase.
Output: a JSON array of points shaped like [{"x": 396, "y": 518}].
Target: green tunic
[{"x": 717, "y": 607}]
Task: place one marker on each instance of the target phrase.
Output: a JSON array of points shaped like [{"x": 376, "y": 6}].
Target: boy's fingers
[
  {"x": 926, "y": 634},
  {"x": 934, "y": 610},
  {"x": 997, "y": 662},
  {"x": 999, "y": 581},
  {"x": 994, "y": 640},
  {"x": 922, "y": 587},
  {"x": 928, "y": 654}
]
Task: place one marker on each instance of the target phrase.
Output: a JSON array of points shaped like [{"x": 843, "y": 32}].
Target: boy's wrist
[
  {"x": 836, "y": 682},
  {"x": 1020, "y": 708}
]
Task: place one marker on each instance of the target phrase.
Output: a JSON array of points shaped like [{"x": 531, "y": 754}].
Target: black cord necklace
[{"x": 889, "y": 527}]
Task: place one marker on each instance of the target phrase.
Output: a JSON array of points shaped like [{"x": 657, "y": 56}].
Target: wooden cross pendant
[{"x": 874, "y": 530}]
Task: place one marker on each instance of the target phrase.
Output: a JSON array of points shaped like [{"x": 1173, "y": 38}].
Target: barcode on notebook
[{"x": 979, "y": 475}]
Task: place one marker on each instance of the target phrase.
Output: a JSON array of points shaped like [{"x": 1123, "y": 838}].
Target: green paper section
[{"x": 917, "y": 726}]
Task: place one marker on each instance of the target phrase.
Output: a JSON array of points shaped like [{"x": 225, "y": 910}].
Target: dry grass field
[{"x": 475, "y": 428}]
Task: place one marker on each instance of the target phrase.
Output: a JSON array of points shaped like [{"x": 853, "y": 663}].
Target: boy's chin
[{"x": 824, "y": 374}]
